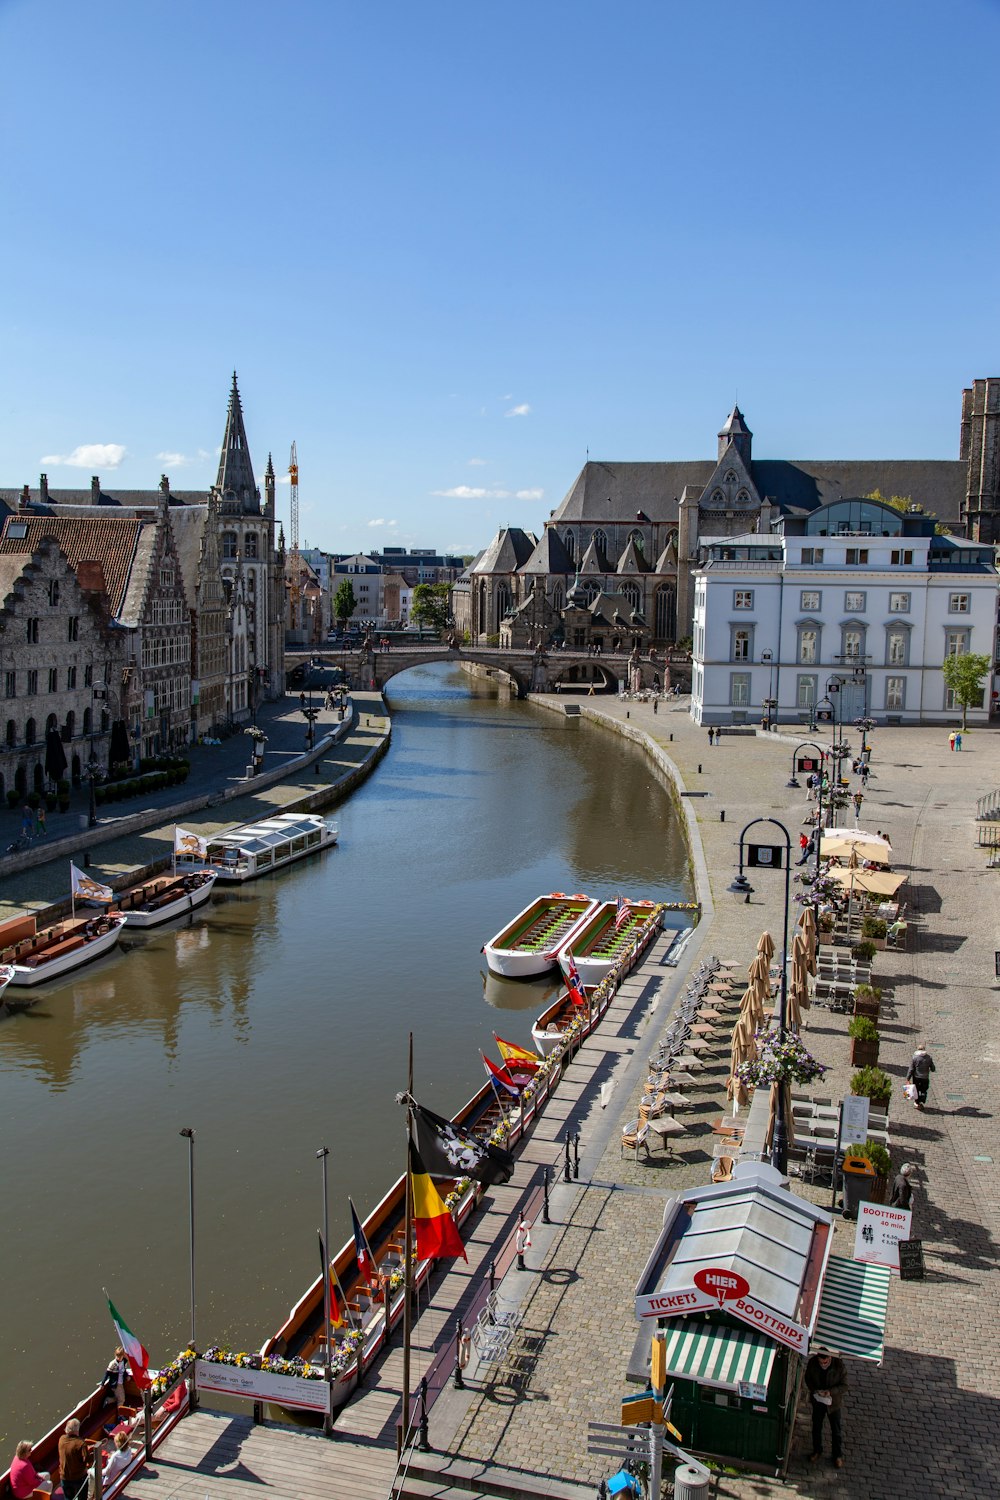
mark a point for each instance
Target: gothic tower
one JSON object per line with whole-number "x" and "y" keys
{"x": 738, "y": 433}
{"x": 980, "y": 449}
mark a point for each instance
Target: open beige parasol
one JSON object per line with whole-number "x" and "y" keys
{"x": 807, "y": 926}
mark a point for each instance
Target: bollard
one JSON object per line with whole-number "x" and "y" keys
{"x": 462, "y": 1352}
{"x": 699, "y": 768}
{"x": 545, "y": 1196}
{"x": 722, "y": 816}
{"x": 493, "y": 1274}
{"x": 566, "y": 1171}
{"x": 425, "y": 1446}
{"x": 671, "y": 739}
{"x": 576, "y": 1156}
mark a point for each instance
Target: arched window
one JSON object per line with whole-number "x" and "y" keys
{"x": 51, "y": 723}
{"x": 38, "y": 776}
{"x": 636, "y": 538}
{"x": 70, "y": 725}
{"x": 11, "y": 733}
{"x": 665, "y": 613}
{"x": 88, "y": 720}
{"x": 503, "y": 601}
{"x": 600, "y": 541}
{"x": 630, "y": 591}
{"x": 54, "y": 592}
{"x": 569, "y": 542}
{"x": 557, "y": 597}
{"x": 591, "y": 591}
{"x": 251, "y": 546}
{"x": 30, "y": 732}
{"x": 229, "y": 544}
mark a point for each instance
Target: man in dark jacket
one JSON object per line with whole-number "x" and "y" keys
{"x": 826, "y": 1381}
{"x": 902, "y": 1187}
{"x": 921, "y": 1068}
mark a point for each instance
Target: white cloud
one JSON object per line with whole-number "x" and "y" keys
{"x": 467, "y": 492}
{"x": 175, "y": 460}
{"x": 89, "y": 456}
{"x": 283, "y": 479}
{"x": 477, "y": 463}
{"x": 529, "y": 494}
{"x": 380, "y": 521}
{"x": 518, "y": 411}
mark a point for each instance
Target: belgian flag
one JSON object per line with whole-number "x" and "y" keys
{"x": 437, "y": 1232}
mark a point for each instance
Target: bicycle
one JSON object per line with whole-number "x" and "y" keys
{"x": 25, "y": 841}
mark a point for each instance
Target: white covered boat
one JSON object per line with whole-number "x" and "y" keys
{"x": 259, "y": 848}
{"x": 37, "y": 956}
{"x": 530, "y": 944}
{"x": 160, "y": 900}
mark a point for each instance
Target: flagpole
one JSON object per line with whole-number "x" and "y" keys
{"x": 408, "y": 1254}
{"x": 321, "y": 1155}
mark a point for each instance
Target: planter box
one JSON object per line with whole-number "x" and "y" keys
{"x": 880, "y": 1188}
{"x": 877, "y": 943}
{"x": 880, "y": 1102}
{"x": 869, "y": 1008}
{"x": 863, "y": 1054}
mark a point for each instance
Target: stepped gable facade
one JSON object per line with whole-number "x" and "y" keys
{"x": 57, "y": 643}
{"x": 232, "y": 564}
{"x": 639, "y": 530}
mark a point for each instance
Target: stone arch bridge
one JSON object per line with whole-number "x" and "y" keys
{"x": 528, "y": 671}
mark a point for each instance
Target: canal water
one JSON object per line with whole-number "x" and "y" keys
{"x": 278, "y": 1023}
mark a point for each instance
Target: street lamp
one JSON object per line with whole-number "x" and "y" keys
{"x": 834, "y": 685}
{"x": 770, "y": 857}
{"x": 768, "y": 657}
{"x": 94, "y": 773}
{"x": 188, "y": 1135}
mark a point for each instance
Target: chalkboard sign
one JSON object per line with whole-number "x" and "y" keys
{"x": 911, "y": 1260}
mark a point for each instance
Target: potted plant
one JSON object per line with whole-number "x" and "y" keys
{"x": 874, "y": 1082}
{"x": 876, "y": 1153}
{"x": 867, "y": 1000}
{"x": 62, "y": 792}
{"x": 51, "y": 801}
{"x": 873, "y": 929}
{"x": 863, "y": 952}
{"x": 864, "y": 1041}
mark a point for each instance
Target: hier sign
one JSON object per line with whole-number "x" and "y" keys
{"x": 879, "y": 1232}
{"x": 721, "y": 1284}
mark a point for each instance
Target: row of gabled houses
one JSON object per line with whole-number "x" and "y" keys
{"x": 141, "y": 618}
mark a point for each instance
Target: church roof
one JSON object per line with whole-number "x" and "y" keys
{"x": 550, "y": 556}
{"x": 110, "y": 540}
{"x": 235, "y": 474}
{"x": 594, "y": 560}
{"x": 735, "y": 424}
{"x": 509, "y": 550}
{"x": 608, "y": 492}
{"x": 632, "y": 560}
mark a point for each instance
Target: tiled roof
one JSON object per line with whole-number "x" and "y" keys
{"x": 107, "y": 539}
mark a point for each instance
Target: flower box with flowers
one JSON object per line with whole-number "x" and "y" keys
{"x": 779, "y": 1060}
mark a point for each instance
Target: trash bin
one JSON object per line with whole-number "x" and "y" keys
{"x": 690, "y": 1483}
{"x": 858, "y": 1180}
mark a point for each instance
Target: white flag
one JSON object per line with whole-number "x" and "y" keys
{"x": 85, "y": 889}
{"x": 189, "y": 843}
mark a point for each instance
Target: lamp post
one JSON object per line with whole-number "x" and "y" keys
{"x": 769, "y": 857}
{"x": 188, "y": 1135}
{"x": 793, "y": 782}
{"x": 94, "y": 774}
{"x": 834, "y": 685}
{"x": 768, "y": 657}
{"x": 321, "y": 1156}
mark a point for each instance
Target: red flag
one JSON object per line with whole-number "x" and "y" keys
{"x": 436, "y": 1230}
{"x": 622, "y": 912}
{"x": 363, "y": 1251}
{"x": 499, "y": 1076}
{"x": 573, "y": 984}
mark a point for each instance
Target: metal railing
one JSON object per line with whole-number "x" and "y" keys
{"x": 988, "y": 807}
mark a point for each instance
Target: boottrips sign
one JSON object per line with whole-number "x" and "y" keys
{"x": 716, "y": 1286}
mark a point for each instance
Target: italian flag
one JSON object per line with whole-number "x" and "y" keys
{"x": 137, "y": 1357}
{"x": 437, "y": 1232}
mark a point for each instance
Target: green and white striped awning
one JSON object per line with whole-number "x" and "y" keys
{"x": 852, "y": 1309}
{"x": 713, "y": 1355}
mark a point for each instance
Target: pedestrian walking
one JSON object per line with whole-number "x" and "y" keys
{"x": 902, "y": 1187}
{"x": 921, "y": 1068}
{"x": 522, "y": 1241}
{"x": 710, "y": 734}
{"x": 654, "y": 705}
{"x": 958, "y": 740}
{"x": 27, "y": 822}
{"x": 826, "y": 1381}
{"x": 42, "y": 830}
{"x": 951, "y": 740}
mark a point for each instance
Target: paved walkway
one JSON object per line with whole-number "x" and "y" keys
{"x": 929, "y": 1419}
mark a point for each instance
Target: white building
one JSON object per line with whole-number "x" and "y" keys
{"x": 854, "y": 603}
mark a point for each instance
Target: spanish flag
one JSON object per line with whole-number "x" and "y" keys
{"x": 522, "y": 1059}
{"x": 437, "y": 1232}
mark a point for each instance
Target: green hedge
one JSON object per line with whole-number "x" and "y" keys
{"x": 136, "y": 786}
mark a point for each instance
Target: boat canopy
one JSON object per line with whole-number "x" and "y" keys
{"x": 258, "y": 838}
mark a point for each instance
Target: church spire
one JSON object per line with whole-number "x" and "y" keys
{"x": 738, "y": 433}
{"x": 235, "y": 479}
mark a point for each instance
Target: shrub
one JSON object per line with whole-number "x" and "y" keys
{"x": 863, "y": 952}
{"x": 862, "y": 1029}
{"x": 873, "y": 927}
{"x": 868, "y": 994}
{"x": 63, "y": 787}
{"x": 34, "y": 800}
{"x": 874, "y": 1082}
{"x": 876, "y": 1153}
{"x": 13, "y": 798}
{"x": 51, "y": 801}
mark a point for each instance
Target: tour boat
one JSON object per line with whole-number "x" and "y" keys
{"x": 37, "y": 955}
{"x": 529, "y": 945}
{"x": 258, "y": 848}
{"x": 551, "y": 1028}
{"x": 165, "y": 897}
{"x": 609, "y": 933}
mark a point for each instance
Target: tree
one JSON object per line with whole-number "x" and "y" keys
{"x": 964, "y": 676}
{"x": 344, "y": 602}
{"x": 431, "y": 605}
{"x": 904, "y": 504}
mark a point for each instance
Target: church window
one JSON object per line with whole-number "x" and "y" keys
{"x": 29, "y": 732}
{"x": 718, "y": 498}
{"x": 665, "y": 613}
{"x": 636, "y": 538}
{"x": 166, "y": 578}
{"x": 600, "y": 541}
{"x": 503, "y": 600}
{"x": 730, "y": 476}
{"x": 591, "y": 591}
{"x": 229, "y": 544}
{"x": 743, "y": 499}
{"x": 630, "y": 591}
{"x": 557, "y": 597}
{"x": 569, "y": 542}
{"x": 251, "y": 583}
{"x": 251, "y": 545}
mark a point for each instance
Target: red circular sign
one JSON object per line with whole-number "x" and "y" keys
{"x": 714, "y": 1281}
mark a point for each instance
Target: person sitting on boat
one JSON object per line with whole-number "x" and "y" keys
{"x": 117, "y": 1463}
{"x": 24, "y": 1477}
{"x": 115, "y": 1377}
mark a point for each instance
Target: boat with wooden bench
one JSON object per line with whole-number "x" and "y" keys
{"x": 607, "y": 935}
{"x": 530, "y": 944}
{"x": 255, "y": 849}
{"x": 165, "y": 897}
{"x": 39, "y": 954}
{"x": 556, "y": 1020}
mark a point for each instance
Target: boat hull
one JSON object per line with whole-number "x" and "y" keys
{"x": 152, "y": 915}
{"x": 92, "y": 947}
{"x": 530, "y": 944}
{"x": 598, "y": 945}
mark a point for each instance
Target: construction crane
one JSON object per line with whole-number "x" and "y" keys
{"x": 295, "y": 562}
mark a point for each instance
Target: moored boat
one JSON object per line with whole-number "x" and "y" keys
{"x": 37, "y": 955}
{"x": 607, "y": 935}
{"x": 556, "y": 1021}
{"x": 165, "y": 897}
{"x": 529, "y": 945}
{"x": 255, "y": 849}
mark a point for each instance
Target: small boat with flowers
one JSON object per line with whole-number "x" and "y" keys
{"x": 608, "y": 934}
{"x": 530, "y": 944}
{"x": 255, "y": 849}
{"x": 566, "y": 1021}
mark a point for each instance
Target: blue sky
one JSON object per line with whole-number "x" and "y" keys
{"x": 450, "y": 247}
